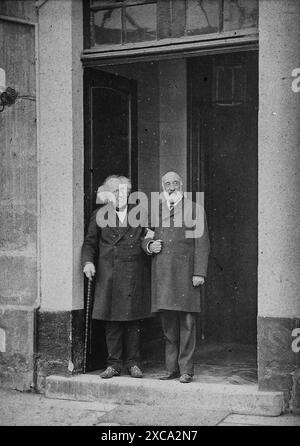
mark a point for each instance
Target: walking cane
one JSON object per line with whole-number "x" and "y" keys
{"x": 87, "y": 322}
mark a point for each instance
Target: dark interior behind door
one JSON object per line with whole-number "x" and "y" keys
{"x": 223, "y": 96}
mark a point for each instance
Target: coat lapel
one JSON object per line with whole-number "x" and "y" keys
{"x": 121, "y": 228}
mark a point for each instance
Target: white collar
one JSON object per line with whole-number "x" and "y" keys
{"x": 122, "y": 214}
{"x": 175, "y": 202}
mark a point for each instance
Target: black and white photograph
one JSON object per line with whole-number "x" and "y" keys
{"x": 149, "y": 215}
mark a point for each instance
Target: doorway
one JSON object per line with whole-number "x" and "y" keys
{"x": 218, "y": 118}
{"x": 110, "y": 149}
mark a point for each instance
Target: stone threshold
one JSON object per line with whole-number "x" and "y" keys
{"x": 236, "y": 399}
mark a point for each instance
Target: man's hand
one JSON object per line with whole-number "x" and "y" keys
{"x": 89, "y": 270}
{"x": 198, "y": 280}
{"x": 155, "y": 246}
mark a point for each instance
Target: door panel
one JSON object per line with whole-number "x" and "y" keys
{"x": 224, "y": 113}
{"x": 110, "y": 149}
{"x": 110, "y": 103}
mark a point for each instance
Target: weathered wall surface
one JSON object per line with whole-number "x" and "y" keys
{"x": 41, "y": 192}
{"x": 59, "y": 322}
{"x": 18, "y": 198}
{"x": 61, "y": 154}
{"x": 22, "y": 9}
{"x": 279, "y": 197}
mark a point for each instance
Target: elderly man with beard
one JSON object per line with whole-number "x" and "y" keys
{"x": 120, "y": 296}
{"x": 179, "y": 267}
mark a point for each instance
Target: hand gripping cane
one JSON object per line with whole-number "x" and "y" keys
{"x": 87, "y": 322}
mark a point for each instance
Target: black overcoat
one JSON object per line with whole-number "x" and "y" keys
{"x": 121, "y": 271}
{"x": 180, "y": 259}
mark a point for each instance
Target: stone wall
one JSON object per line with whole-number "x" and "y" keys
{"x": 279, "y": 198}
{"x": 60, "y": 99}
{"x": 18, "y": 198}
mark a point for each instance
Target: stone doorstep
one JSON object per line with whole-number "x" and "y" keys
{"x": 236, "y": 399}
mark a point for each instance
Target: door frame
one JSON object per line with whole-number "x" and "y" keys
{"x": 93, "y": 62}
{"x": 122, "y": 56}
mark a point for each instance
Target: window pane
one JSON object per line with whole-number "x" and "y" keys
{"x": 107, "y": 26}
{"x": 202, "y": 17}
{"x": 178, "y": 18}
{"x": 240, "y": 14}
{"x": 114, "y": 3}
{"x": 140, "y": 23}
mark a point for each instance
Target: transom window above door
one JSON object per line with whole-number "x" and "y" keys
{"x": 126, "y": 22}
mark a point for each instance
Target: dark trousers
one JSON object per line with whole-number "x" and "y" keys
{"x": 180, "y": 336}
{"x": 123, "y": 343}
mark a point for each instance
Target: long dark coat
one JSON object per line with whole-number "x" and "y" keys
{"x": 180, "y": 259}
{"x": 120, "y": 291}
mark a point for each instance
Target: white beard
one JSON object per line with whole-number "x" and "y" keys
{"x": 174, "y": 196}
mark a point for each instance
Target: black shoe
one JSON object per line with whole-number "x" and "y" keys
{"x": 135, "y": 372}
{"x": 169, "y": 375}
{"x": 185, "y": 378}
{"x": 109, "y": 373}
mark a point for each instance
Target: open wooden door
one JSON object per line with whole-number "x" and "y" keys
{"x": 110, "y": 106}
{"x": 223, "y": 93}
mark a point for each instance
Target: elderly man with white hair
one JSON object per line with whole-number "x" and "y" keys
{"x": 114, "y": 251}
{"x": 179, "y": 266}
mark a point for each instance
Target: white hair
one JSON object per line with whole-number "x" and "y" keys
{"x": 112, "y": 179}
{"x": 104, "y": 193}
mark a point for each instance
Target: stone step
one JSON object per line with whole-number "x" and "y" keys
{"x": 239, "y": 399}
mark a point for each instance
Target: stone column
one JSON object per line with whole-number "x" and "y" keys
{"x": 18, "y": 198}
{"x": 61, "y": 186}
{"x": 279, "y": 198}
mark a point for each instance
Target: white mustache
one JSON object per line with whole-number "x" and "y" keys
{"x": 173, "y": 196}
